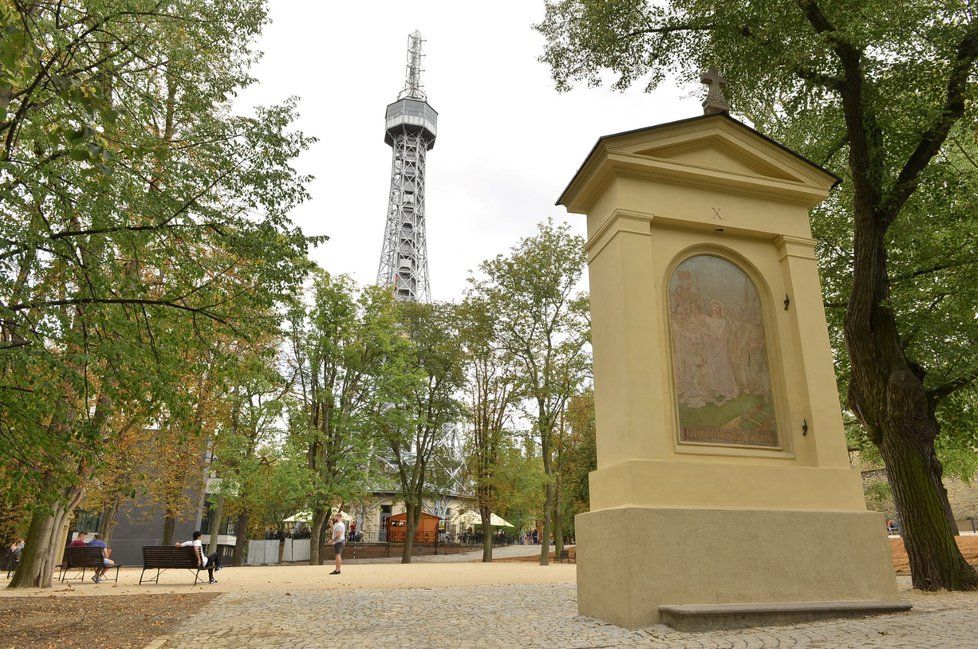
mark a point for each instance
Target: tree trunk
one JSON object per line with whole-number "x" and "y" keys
{"x": 548, "y": 507}
{"x": 486, "y": 534}
{"x": 886, "y": 392}
{"x": 109, "y": 516}
{"x": 324, "y": 542}
{"x": 937, "y": 476}
{"x": 44, "y": 547}
{"x": 935, "y": 560}
{"x": 169, "y": 523}
{"x": 240, "y": 539}
{"x": 558, "y": 528}
{"x": 412, "y": 524}
{"x": 217, "y": 513}
{"x": 37, "y": 559}
{"x": 316, "y": 535}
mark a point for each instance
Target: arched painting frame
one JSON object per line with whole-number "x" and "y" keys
{"x": 722, "y": 369}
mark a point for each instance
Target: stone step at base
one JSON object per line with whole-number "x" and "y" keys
{"x": 707, "y": 617}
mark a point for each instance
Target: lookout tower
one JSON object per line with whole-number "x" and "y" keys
{"x": 410, "y": 131}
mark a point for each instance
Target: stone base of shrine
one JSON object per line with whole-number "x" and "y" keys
{"x": 632, "y": 561}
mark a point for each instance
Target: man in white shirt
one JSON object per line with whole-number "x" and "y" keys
{"x": 210, "y": 561}
{"x": 339, "y": 540}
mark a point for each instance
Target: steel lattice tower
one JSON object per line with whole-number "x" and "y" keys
{"x": 411, "y": 128}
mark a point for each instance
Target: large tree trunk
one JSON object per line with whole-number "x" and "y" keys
{"x": 37, "y": 559}
{"x": 937, "y": 476}
{"x": 316, "y": 535}
{"x": 412, "y": 524}
{"x": 217, "y": 513}
{"x": 935, "y": 560}
{"x": 240, "y": 539}
{"x": 486, "y": 515}
{"x": 887, "y": 393}
{"x": 169, "y": 524}
{"x": 43, "y": 547}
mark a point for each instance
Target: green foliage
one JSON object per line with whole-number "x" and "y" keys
{"x": 418, "y": 394}
{"x": 145, "y": 226}
{"x": 542, "y": 329}
{"x": 339, "y": 350}
{"x": 518, "y": 482}
{"x": 879, "y": 498}
{"x": 580, "y": 455}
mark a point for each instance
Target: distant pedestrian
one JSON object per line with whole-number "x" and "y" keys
{"x": 339, "y": 540}
{"x": 210, "y": 561}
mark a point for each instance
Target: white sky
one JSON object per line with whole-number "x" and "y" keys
{"x": 507, "y": 144}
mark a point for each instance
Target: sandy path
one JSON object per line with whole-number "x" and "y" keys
{"x": 300, "y": 578}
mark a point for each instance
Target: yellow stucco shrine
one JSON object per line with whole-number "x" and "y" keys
{"x": 723, "y": 491}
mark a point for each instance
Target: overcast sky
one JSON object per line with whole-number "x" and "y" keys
{"x": 507, "y": 144}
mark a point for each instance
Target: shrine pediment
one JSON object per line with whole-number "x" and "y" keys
{"x": 719, "y": 153}
{"x": 708, "y": 150}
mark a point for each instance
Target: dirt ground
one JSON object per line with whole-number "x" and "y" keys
{"x": 98, "y": 621}
{"x": 967, "y": 544}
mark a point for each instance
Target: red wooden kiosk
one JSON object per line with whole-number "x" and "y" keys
{"x": 426, "y": 531}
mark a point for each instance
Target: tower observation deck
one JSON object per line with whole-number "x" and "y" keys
{"x": 410, "y": 131}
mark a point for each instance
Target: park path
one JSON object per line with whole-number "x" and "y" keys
{"x": 530, "y": 615}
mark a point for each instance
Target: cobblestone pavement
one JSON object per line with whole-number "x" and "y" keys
{"x": 532, "y": 616}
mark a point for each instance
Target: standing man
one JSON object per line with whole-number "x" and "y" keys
{"x": 339, "y": 540}
{"x": 210, "y": 561}
{"x": 97, "y": 542}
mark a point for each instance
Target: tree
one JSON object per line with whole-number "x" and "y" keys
{"x": 338, "y": 349}
{"x": 144, "y": 224}
{"x": 579, "y": 455}
{"x": 249, "y": 441}
{"x": 519, "y": 482}
{"x": 879, "y": 92}
{"x": 417, "y": 401}
{"x": 490, "y": 391}
{"x": 542, "y": 327}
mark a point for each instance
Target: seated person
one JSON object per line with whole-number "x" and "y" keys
{"x": 80, "y": 540}
{"x": 15, "y": 550}
{"x": 97, "y": 542}
{"x": 210, "y": 561}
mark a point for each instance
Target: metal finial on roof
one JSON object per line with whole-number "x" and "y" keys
{"x": 715, "y": 102}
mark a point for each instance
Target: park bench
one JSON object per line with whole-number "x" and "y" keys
{"x": 162, "y": 557}
{"x": 84, "y": 558}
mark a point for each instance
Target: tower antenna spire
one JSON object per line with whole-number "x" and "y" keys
{"x": 412, "y": 83}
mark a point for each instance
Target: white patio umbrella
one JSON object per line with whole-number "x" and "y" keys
{"x": 305, "y": 517}
{"x": 474, "y": 518}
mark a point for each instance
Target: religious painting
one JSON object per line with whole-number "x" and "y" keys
{"x": 720, "y": 356}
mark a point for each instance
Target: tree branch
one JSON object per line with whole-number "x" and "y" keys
{"x": 933, "y": 138}
{"x": 939, "y": 392}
